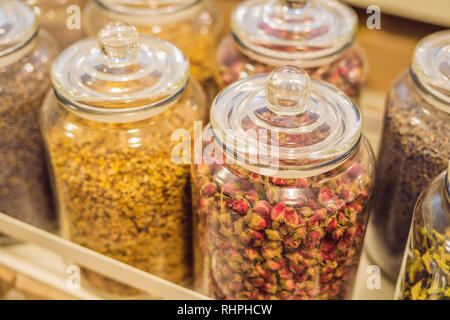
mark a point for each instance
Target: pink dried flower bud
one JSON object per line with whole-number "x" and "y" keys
{"x": 256, "y": 222}
{"x": 240, "y": 206}
{"x": 209, "y": 190}
{"x": 245, "y": 237}
{"x": 288, "y": 285}
{"x": 268, "y": 253}
{"x": 264, "y": 273}
{"x": 316, "y": 234}
{"x": 291, "y": 244}
{"x": 252, "y": 254}
{"x": 331, "y": 209}
{"x": 300, "y": 233}
{"x": 271, "y": 288}
{"x": 278, "y": 213}
{"x": 355, "y": 170}
{"x": 332, "y": 224}
{"x": 273, "y": 235}
{"x": 279, "y": 181}
{"x": 251, "y": 196}
{"x": 257, "y": 236}
{"x": 338, "y": 234}
{"x": 306, "y": 212}
{"x": 326, "y": 195}
{"x": 302, "y": 183}
{"x": 273, "y": 265}
{"x": 292, "y": 218}
{"x": 284, "y": 273}
{"x": 254, "y": 177}
{"x": 263, "y": 207}
{"x": 328, "y": 246}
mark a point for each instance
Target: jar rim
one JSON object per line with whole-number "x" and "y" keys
{"x": 123, "y": 9}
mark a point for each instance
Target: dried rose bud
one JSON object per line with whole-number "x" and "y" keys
{"x": 300, "y": 233}
{"x": 327, "y": 246}
{"x": 332, "y": 224}
{"x": 292, "y": 219}
{"x": 284, "y": 273}
{"x": 246, "y": 185}
{"x": 306, "y": 212}
{"x": 273, "y": 265}
{"x": 288, "y": 285}
{"x": 342, "y": 219}
{"x": 291, "y": 244}
{"x": 264, "y": 273}
{"x": 258, "y": 282}
{"x": 245, "y": 237}
{"x": 278, "y": 181}
{"x": 258, "y": 237}
{"x": 209, "y": 190}
{"x": 255, "y": 178}
{"x": 273, "y": 235}
{"x": 252, "y": 254}
{"x": 263, "y": 207}
{"x": 302, "y": 183}
{"x": 240, "y": 206}
{"x": 251, "y": 196}
{"x": 278, "y": 213}
{"x": 356, "y": 170}
{"x": 270, "y": 288}
{"x": 256, "y": 222}
{"x": 268, "y": 253}
{"x": 316, "y": 234}
{"x": 326, "y": 195}
{"x": 331, "y": 209}
{"x": 312, "y": 204}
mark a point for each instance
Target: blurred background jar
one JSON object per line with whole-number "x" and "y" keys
{"x": 26, "y": 53}
{"x": 107, "y": 126}
{"x": 281, "y": 197}
{"x": 62, "y": 18}
{"x": 425, "y": 273}
{"x": 315, "y": 35}
{"x": 415, "y": 147}
{"x": 194, "y": 26}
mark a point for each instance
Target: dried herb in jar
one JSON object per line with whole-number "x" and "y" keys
{"x": 24, "y": 79}
{"x": 346, "y": 72}
{"x": 427, "y": 274}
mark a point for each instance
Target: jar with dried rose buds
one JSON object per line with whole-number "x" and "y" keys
{"x": 316, "y": 35}
{"x": 62, "y": 18}
{"x": 415, "y": 147}
{"x": 194, "y": 26}
{"x": 107, "y": 126}
{"x": 281, "y": 191}
{"x": 26, "y": 53}
{"x": 425, "y": 273}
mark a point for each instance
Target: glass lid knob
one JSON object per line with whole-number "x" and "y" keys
{"x": 288, "y": 89}
{"x": 293, "y": 3}
{"x": 119, "y": 43}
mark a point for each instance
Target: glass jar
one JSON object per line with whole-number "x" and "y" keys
{"x": 425, "y": 273}
{"x": 281, "y": 191}
{"x": 193, "y": 25}
{"x": 316, "y": 35}
{"x": 25, "y": 63}
{"x": 62, "y": 18}
{"x": 107, "y": 126}
{"x": 415, "y": 147}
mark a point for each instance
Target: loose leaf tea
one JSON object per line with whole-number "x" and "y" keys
{"x": 24, "y": 186}
{"x": 119, "y": 192}
{"x": 261, "y": 237}
{"x": 346, "y": 71}
{"x": 415, "y": 148}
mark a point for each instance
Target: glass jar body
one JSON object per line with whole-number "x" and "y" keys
{"x": 196, "y": 32}
{"x": 62, "y": 18}
{"x": 425, "y": 271}
{"x": 347, "y": 71}
{"x": 118, "y": 190}
{"x": 261, "y": 237}
{"x": 24, "y": 79}
{"x": 415, "y": 147}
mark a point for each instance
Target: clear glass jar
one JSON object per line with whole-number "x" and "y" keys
{"x": 25, "y": 63}
{"x": 60, "y": 17}
{"x": 425, "y": 273}
{"x": 315, "y": 35}
{"x": 193, "y": 25}
{"x": 107, "y": 126}
{"x": 415, "y": 148}
{"x": 281, "y": 191}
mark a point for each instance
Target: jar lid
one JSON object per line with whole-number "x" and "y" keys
{"x": 431, "y": 65}
{"x": 17, "y": 26}
{"x": 294, "y": 29}
{"x": 286, "y": 121}
{"x": 147, "y": 7}
{"x": 120, "y": 71}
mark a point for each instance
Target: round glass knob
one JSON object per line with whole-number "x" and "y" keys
{"x": 288, "y": 89}
{"x": 119, "y": 42}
